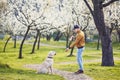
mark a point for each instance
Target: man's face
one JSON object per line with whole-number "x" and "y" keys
{"x": 75, "y": 30}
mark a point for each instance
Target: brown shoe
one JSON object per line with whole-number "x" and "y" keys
{"x": 79, "y": 72}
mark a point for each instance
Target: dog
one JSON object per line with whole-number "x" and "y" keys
{"x": 47, "y": 65}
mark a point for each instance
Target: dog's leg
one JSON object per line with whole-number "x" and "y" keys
{"x": 51, "y": 69}
{"x": 48, "y": 71}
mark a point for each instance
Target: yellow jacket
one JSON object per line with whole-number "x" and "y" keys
{"x": 79, "y": 41}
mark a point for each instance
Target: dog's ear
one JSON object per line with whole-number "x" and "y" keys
{"x": 54, "y": 53}
{"x": 50, "y": 53}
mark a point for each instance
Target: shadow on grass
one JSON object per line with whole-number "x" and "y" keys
{"x": 5, "y": 68}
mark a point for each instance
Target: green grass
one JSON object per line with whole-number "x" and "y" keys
{"x": 103, "y": 73}
{"x": 11, "y": 68}
{"x": 51, "y": 42}
{"x": 19, "y": 74}
{"x": 95, "y": 70}
{"x": 16, "y": 70}
{"x": 116, "y": 46}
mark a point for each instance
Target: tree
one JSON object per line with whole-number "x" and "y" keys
{"x": 36, "y": 37}
{"x": 23, "y": 12}
{"x": 39, "y": 37}
{"x": 4, "y": 49}
{"x": 6, "y": 26}
{"x": 38, "y": 32}
{"x": 112, "y": 17}
{"x": 58, "y": 36}
{"x": 31, "y": 14}
{"x": 68, "y": 33}
{"x": 10, "y": 28}
{"x": 117, "y": 29}
{"x": 98, "y": 16}
{"x": 59, "y": 32}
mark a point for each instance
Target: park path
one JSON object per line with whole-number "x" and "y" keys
{"x": 66, "y": 74}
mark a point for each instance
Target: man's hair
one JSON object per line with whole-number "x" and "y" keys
{"x": 76, "y": 27}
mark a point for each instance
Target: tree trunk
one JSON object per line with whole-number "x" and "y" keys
{"x": 118, "y": 32}
{"x": 48, "y": 37}
{"x": 15, "y": 42}
{"x": 112, "y": 27}
{"x": 107, "y": 52}
{"x": 38, "y": 47}
{"x": 58, "y": 36}
{"x": 98, "y": 44}
{"x": 85, "y": 36}
{"x": 6, "y": 44}
{"x": 98, "y": 16}
{"x": 21, "y": 45}
{"x": 33, "y": 49}
{"x": 71, "y": 52}
{"x": 67, "y": 39}
{"x": 119, "y": 38}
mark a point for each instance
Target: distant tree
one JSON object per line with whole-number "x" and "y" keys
{"x": 58, "y": 35}
{"x": 4, "y": 49}
{"x": 11, "y": 30}
{"x": 68, "y": 33}
{"x": 112, "y": 17}
{"x": 117, "y": 27}
{"x": 59, "y": 32}
{"x": 36, "y": 37}
{"x": 4, "y": 11}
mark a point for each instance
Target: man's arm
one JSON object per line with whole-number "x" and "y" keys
{"x": 77, "y": 40}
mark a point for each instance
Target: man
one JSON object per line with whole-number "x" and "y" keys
{"x": 79, "y": 43}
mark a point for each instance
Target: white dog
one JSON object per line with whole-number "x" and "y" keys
{"x": 47, "y": 64}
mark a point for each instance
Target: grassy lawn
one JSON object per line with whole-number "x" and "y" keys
{"x": 11, "y": 68}
{"x": 20, "y": 74}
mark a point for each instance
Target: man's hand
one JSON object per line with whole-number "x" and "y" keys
{"x": 66, "y": 49}
{"x": 71, "y": 38}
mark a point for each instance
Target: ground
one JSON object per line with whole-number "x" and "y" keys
{"x": 67, "y": 75}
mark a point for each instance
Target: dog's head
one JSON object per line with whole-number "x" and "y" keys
{"x": 51, "y": 54}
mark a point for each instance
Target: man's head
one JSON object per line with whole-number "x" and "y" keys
{"x": 76, "y": 28}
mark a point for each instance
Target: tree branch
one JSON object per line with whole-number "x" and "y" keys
{"x": 73, "y": 10}
{"x": 5, "y": 14}
{"x": 86, "y": 24}
{"x": 41, "y": 14}
{"x": 25, "y": 16}
{"x": 110, "y": 2}
{"x": 91, "y": 11}
{"x": 21, "y": 21}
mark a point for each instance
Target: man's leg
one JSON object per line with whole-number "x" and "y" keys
{"x": 79, "y": 60}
